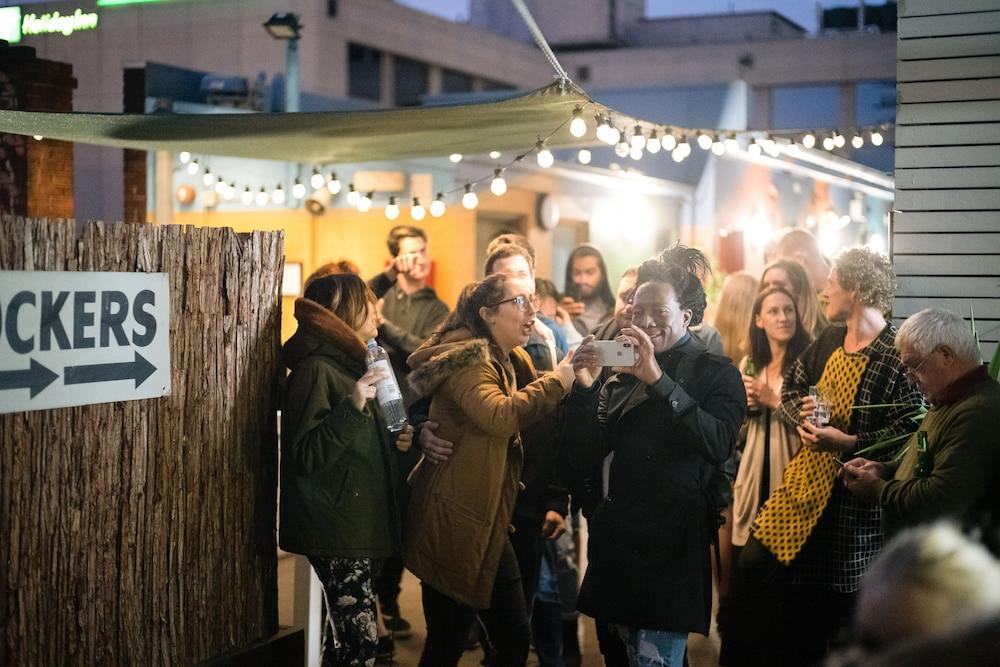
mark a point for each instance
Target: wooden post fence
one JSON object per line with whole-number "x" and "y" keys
{"x": 143, "y": 532}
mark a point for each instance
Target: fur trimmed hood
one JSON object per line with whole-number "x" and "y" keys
{"x": 436, "y": 360}
{"x": 321, "y": 332}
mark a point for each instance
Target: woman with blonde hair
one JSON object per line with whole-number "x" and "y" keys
{"x": 732, "y": 315}
{"x": 791, "y": 277}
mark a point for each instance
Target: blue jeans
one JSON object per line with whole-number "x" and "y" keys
{"x": 653, "y": 648}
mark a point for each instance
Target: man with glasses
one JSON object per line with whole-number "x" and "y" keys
{"x": 951, "y": 468}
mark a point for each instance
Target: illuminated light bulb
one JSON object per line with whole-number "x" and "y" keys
{"x": 809, "y": 140}
{"x": 262, "y": 197}
{"x": 192, "y": 167}
{"x": 857, "y": 141}
{"x": 770, "y": 147}
{"x": 365, "y": 202}
{"x": 455, "y": 157}
{"x": 392, "y": 209}
{"x": 494, "y": 155}
{"x": 583, "y": 156}
{"x": 578, "y": 126}
{"x": 333, "y": 184}
{"x": 299, "y": 189}
{"x": 653, "y": 143}
{"x": 828, "y": 143}
{"x": 230, "y": 192}
{"x": 614, "y": 135}
{"x": 638, "y": 140}
{"x": 544, "y": 157}
{"x": 635, "y": 152}
{"x": 839, "y": 140}
{"x": 669, "y": 142}
{"x": 705, "y": 141}
{"x": 469, "y": 199}
{"x": 37, "y": 137}
{"x": 316, "y": 180}
{"x": 221, "y": 188}
{"x": 498, "y": 186}
{"x": 353, "y": 196}
{"x": 417, "y": 211}
{"x": 731, "y": 144}
{"x": 718, "y": 148}
{"x": 876, "y": 138}
{"x": 437, "y": 206}
{"x": 184, "y": 157}
{"x": 278, "y": 196}
{"x": 208, "y": 179}
{"x": 621, "y": 149}
{"x": 247, "y": 197}
{"x": 754, "y": 148}
{"x": 678, "y": 154}
{"x": 602, "y": 128}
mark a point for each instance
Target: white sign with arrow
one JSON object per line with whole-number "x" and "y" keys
{"x": 78, "y": 337}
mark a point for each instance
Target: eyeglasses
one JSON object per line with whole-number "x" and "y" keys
{"x": 522, "y": 301}
{"x": 911, "y": 373}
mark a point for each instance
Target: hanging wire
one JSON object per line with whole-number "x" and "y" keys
{"x": 536, "y": 33}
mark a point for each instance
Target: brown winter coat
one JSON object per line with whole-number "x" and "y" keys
{"x": 460, "y": 510}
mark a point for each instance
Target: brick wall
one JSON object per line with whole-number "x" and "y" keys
{"x": 36, "y": 177}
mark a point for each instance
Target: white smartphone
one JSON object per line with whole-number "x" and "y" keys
{"x": 614, "y": 353}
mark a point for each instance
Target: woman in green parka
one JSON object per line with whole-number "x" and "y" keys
{"x": 339, "y": 463}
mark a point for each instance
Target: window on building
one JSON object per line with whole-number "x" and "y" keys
{"x": 365, "y": 72}
{"x": 805, "y": 106}
{"x": 411, "y": 81}
{"x": 583, "y": 73}
{"x": 455, "y": 82}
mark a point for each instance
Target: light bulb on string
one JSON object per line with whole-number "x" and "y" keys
{"x": 614, "y": 135}
{"x": 718, "y": 148}
{"x": 247, "y": 197}
{"x": 857, "y": 141}
{"x": 839, "y": 140}
{"x": 770, "y": 147}
{"x": 333, "y": 184}
{"x": 809, "y": 140}
{"x": 220, "y": 187}
{"x": 353, "y": 196}
{"x": 470, "y": 200}
{"x": 876, "y": 138}
{"x": 262, "y": 197}
{"x": 678, "y": 154}
{"x": 417, "y": 211}
{"x": 544, "y": 157}
{"x": 437, "y": 206}
{"x": 653, "y": 143}
{"x": 455, "y": 157}
{"x": 392, "y": 209}
{"x": 684, "y": 147}
{"x": 828, "y": 143}
{"x": 602, "y": 128}
{"x": 705, "y": 141}
{"x": 316, "y": 180}
{"x": 365, "y": 202}
{"x": 731, "y": 144}
{"x": 299, "y": 189}
{"x": 278, "y": 196}
{"x": 635, "y": 152}
{"x": 208, "y": 178}
{"x": 669, "y": 142}
{"x": 583, "y": 156}
{"x": 192, "y": 167}
{"x": 498, "y": 186}
{"x": 230, "y": 193}
{"x": 638, "y": 140}
{"x": 578, "y": 126}
{"x": 184, "y": 157}
{"x": 753, "y": 148}
{"x": 621, "y": 148}
{"x": 495, "y": 155}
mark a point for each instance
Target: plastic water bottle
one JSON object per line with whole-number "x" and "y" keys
{"x": 390, "y": 399}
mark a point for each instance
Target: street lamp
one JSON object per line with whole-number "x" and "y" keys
{"x": 286, "y": 26}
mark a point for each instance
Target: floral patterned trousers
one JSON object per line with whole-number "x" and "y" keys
{"x": 350, "y": 635}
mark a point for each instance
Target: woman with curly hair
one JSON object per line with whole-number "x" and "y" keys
{"x": 812, "y": 541}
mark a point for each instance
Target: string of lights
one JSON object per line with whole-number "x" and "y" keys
{"x": 626, "y": 136}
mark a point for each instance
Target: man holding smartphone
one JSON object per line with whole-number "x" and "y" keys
{"x": 671, "y": 419}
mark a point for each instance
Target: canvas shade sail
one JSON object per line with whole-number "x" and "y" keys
{"x": 510, "y": 124}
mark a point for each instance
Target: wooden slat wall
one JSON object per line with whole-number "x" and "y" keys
{"x": 946, "y": 228}
{"x": 143, "y": 532}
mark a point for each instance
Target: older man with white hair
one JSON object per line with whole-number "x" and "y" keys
{"x": 951, "y": 468}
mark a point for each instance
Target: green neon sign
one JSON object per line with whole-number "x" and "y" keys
{"x": 10, "y": 24}
{"x": 123, "y": 3}
{"x": 58, "y": 23}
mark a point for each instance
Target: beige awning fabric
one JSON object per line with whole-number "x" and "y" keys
{"x": 512, "y": 124}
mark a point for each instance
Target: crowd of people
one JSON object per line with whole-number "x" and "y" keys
{"x": 763, "y": 462}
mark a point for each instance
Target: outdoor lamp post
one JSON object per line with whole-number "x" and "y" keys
{"x": 286, "y": 26}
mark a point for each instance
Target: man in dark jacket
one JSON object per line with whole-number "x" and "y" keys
{"x": 671, "y": 421}
{"x": 410, "y": 312}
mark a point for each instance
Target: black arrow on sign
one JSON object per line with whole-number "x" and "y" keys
{"x": 36, "y": 378}
{"x": 139, "y": 370}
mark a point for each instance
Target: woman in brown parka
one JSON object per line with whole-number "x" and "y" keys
{"x": 460, "y": 509}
